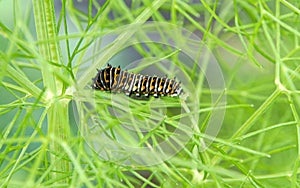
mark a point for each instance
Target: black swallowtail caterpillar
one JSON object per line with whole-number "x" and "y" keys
{"x": 116, "y": 80}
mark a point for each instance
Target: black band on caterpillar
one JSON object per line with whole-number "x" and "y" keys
{"x": 116, "y": 80}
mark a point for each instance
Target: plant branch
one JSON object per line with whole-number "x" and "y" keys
{"x": 58, "y": 125}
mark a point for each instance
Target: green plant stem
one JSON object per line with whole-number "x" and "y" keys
{"x": 247, "y": 125}
{"x": 22, "y": 80}
{"x": 58, "y": 129}
{"x": 58, "y": 125}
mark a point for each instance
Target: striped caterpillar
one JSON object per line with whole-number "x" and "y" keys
{"x": 116, "y": 80}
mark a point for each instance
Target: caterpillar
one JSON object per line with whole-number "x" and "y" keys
{"x": 114, "y": 79}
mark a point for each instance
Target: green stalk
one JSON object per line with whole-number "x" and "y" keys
{"x": 58, "y": 125}
{"x": 247, "y": 125}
